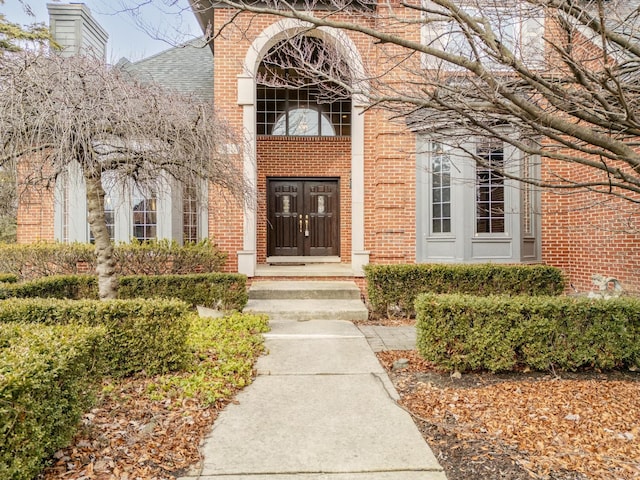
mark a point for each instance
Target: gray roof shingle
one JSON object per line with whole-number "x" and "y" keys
{"x": 185, "y": 68}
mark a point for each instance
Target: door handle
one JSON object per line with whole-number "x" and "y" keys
{"x": 300, "y": 224}
{"x": 306, "y": 225}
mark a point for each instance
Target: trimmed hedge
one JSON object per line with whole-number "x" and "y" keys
{"x": 47, "y": 375}
{"x": 141, "y": 335}
{"x": 155, "y": 257}
{"x": 227, "y": 291}
{"x": 392, "y": 289}
{"x": 168, "y": 257}
{"x": 215, "y": 290}
{"x": 502, "y": 333}
{"x": 58, "y": 286}
{"x": 8, "y": 278}
{"x": 30, "y": 261}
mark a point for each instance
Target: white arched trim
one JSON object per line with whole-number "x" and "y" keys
{"x": 247, "y": 258}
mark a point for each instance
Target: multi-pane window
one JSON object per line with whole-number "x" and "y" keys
{"x": 145, "y": 221}
{"x": 65, "y": 207}
{"x": 440, "y": 190}
{"x": 189, "y": 214}
{"x": 300, "y": 112}
{"x": 289, "y": 102}
{"x": 490, "y": 207}
{"x": 109, "y": 215}
{"x": 504, "y": 25}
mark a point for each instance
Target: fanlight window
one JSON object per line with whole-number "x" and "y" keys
{"x": 303, "y": 121}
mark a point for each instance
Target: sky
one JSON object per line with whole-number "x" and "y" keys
{"x": 134, "y": 34}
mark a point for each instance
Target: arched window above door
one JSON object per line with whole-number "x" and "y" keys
{"x": 298, "y": 100}
{"x": 303, "y": 121}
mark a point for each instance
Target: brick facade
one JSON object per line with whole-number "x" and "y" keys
{"x": 586, "y": 233}
{"x": 582, "y": 233}
{"x": 35, "y": 216}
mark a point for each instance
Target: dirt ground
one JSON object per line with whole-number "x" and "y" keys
{"x": 556, "y": 426}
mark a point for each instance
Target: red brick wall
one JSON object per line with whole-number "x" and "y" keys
{"x": 585, "y": 233}
{"x": 389, "y": 152}
{"x": 390, "y": 206}
{"x": 35, "y": 202}
{"x": 35, "y": 216}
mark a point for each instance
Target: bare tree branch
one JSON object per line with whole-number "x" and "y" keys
{"x": 55, "y": 112}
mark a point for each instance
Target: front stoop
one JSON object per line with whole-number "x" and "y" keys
{"x": 307, "y": 300}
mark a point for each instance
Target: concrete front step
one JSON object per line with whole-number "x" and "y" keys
{"x": 308, "y": 309}
{"x": 300, "y": 290}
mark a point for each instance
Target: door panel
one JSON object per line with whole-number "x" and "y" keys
{"x": 283, "y": 230}
{"x": 321, "y": 202}
{"x": 303, "y": 218}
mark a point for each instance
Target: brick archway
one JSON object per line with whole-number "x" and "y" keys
{"x": 247, "y": 257}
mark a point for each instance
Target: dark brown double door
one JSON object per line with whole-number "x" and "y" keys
{"x": 303, "y": 217}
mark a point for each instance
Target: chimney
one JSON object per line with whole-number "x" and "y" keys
{"x": 76, "y": 31}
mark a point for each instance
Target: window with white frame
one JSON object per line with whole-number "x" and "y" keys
{"x": 190, "y": 215}
{"x": 440, "y": 189}
{"x": 515, "y": 24}
{"x": 169, "y": 211}
{"x": 145, "y": 214}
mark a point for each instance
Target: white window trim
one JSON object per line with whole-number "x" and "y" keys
{"x": 70, "y": 193}
{"x": 448, "y": 152}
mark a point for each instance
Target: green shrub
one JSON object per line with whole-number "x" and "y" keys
{"x": 142, "y": 335}
{"x": 8, "y": 278}
{"x": 502, "y": 333}
{"x": 227, "y": 349}
{"x": 47, "y": 375}
{"x": 164, "y": 257}
{"x": 225, "y": 290}
{"x": 57, "y": 286}
{"x": 392, "y": 289}
{"x": 36, "y": 260}
{"x": 155, "y": 257}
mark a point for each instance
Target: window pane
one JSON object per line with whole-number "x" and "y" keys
{"x": 300, "y": 106}
{"x": 189, "y": 214}
{"x": 446, "y": 210}
{"x": 446, "y": 193}
{"x": 437, "y": 211}
{"x": 144, "y": 216}
{"x": 440, "y": 189}
{"x": 490, "y": 189}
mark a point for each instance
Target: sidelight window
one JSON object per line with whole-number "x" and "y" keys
{"x": 440, "y": 190}
{"x": 490, "y": 211}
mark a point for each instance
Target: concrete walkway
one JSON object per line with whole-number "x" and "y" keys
{"x": 389, "y": 338}
{"x": 321, "y": 408}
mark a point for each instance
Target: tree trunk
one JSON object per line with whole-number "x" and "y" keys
{"x": 105, "y": 263}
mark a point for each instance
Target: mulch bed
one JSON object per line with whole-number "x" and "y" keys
{"x": 128, "y": 436}
{"x": 568, "y": 426}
